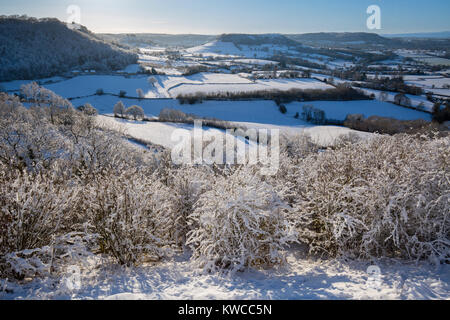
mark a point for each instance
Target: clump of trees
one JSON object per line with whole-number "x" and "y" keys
{"x": 191, "y": 70}
{"x": 393, "y": 84}
{"x": 135, "y": 111}
{"x": 174, "y": 115}
{"x": 441, "y": 113}
{"x": 313, "y": 115}
{"x": 402, "y": 100}
{"x": 340, "y": 93}
{"x": 384, "y": 125}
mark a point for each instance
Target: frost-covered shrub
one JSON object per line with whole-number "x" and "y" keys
{"x": 383, "y": 197}
{"x": 130, "y": 214}
{"x": 32, "y": 209}
{"x": 240, "y": 222}
{"x": 26, "y": 141}
{"x": 187, "y": 185}
{"x": 293, "y": 150}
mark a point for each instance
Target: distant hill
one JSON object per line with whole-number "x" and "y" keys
{"x": 35, "y": 48}
{"x": 257, "y": 39}
{"x": 424, "y": 35}
{"x": 347, "y": 38}
{"x": 365, "y": 40}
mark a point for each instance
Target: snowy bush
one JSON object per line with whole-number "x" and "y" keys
{"x": 187, "y": 185}
{"x": 385, "y": 197}
{"x": 130, "y": 214}
{"x": 32, "y": 209}
{"x": 240, "y": 222}
{"x": 26, "y": 140}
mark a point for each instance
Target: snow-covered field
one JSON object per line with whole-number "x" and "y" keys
{"x": 300, "y": 278}
{"x": 265, "y": 112}
{"x": 416, "y": 101}
{"x": 160, "y": 133}
{"x": 437, "y": 85}
{"x": 258, "y": 85}
{"x": 168, "y": 86}
{"x": 229, "y": 49}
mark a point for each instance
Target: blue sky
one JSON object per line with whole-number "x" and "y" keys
{"x": 244, "y": 16}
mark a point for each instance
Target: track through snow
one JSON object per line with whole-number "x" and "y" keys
{"x": 300, "y": 278}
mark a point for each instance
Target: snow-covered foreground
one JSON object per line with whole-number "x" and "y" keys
{"x": 300, "y": 278}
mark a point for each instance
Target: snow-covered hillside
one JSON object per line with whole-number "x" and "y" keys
{"x": 219, "y": 48}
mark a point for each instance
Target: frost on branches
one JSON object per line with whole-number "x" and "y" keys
{"x": 386, "y": 197}
{"x": 130, "y": 214}
{"x": 240, "y": 222}
{"x": 70, "y": 185}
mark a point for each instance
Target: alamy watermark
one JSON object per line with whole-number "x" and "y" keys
{"x": 374, "y": 277}
{"x": 236, "y": 146}
{"x": 74, "y": 18}
{"x": 72, "y": 281}
{"x": 374, "y": 20}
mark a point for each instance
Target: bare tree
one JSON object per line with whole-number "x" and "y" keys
{"x": 152, "y": 81}
{"x": 140, "y": 93}
{"x": 119, "y": 109}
